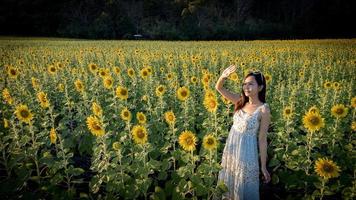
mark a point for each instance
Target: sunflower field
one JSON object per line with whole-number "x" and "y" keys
{"x": 142, "y": 119}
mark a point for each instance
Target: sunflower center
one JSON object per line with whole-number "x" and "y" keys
{"x": 212, "y": 104}
{"x": 123, "y": 92}
{"x": 160, "y": 89}
{"x": 140, "y": 134}
{"x": 53, "y": 69}
{"x": 287, "y": 111}
{"x": 126, "y": 114}
{"x": 24, "y": 113}
{"x": 13, "y": 72}
{"x": 189, "y": 141}
{"x": 96, "y": 126}
{"x": 170, "y": 117}
{"x": 145, "y": 73}
{"x": 184, "y": 93}
{"x": 210, "y": 141}
{"x": 314, "y": 120}
{"x": 328, "y": 168}
{"x": 339, "y": 111}
{"x": 141, "y": 118}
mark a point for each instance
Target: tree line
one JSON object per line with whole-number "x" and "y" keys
{"x": 179, "y": 19}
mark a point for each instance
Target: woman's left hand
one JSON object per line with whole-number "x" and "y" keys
{"x": 266, "y": 175}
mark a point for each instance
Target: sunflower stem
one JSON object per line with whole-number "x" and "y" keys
{"x": 216, "y": 125}
{"x": 322, "y": 189}
{"x": 309, "y": 145}
{"x": 35, "y": 151}
{"x": 174, "y": 147}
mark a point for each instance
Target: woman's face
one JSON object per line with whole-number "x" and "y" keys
{"x": 250, "y": 86}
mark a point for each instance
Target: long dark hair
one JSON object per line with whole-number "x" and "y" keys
{"x": 260, "y": 78}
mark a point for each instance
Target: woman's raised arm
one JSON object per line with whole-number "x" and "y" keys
{"x": 223, "y": 91}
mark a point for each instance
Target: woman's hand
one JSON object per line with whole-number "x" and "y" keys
{"x": 228, "y": 71}
{"x": 266, "y": 176}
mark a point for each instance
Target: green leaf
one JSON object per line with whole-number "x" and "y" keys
{"x": 75, "y": 171}
{"x": 273, "y": 162}
{"x": 162, "y": 175}
{"x": 295, "y": 152}
{"x": 275, "y": 179}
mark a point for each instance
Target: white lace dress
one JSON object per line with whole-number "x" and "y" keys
{"x": 240, "y": 157}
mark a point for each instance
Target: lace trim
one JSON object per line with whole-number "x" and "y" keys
{"x": 241, "y": 174}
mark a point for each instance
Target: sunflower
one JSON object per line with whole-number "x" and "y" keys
{"x": 125, "y": 114}
{"x": 187, "y": 140}
{"x": 267, "y": 77}
{"x": 183, "y": 93}
{"x": 12, "y": 72}
{"x": 60, "y": 87}
{"x": 23, "y": 113}
{"x": 95, "y": 126}
{"x": 108, "y": 82}
{"x": 42, "y": 98}
{"x": 194, "y": 79}
{"x": 6, "y": 123}
{"x": 93, "y": 68}
{"x": 144, "y": 98}
{"x": 209, "y": 142}
{"x": 170, "y": 117}
{"x": 59, "y": 65}
{"x": 211, "y": 104}
{"x": 326, "y": 168}
{"x": 339, "y": 111}
{"x": 7, "y": 96}
{"x": 79, "y": 85}
{"x": 52, "y": 69}
{"x": 327, "y": 85}
{"x": 353, "y": 102}
{"x": 139, "y": 134}
{"x": 131, "y": 72}
{"x": 53, "y": 136}
{"x": 336, "y": 85}
{"x": 122, "y": 93}
{"x": 144, "y": 73}
{"x": 301, "y": 73}
{"x": 313, "y": 121}
{"x": 116, "y": 146}
{"x": 169, "y": 76}
{"x": 287, "y": 112}
{"x": 170, "y": 65}
{"x": 117, "y": 70}
{"x": 233, "y": 77}
{"x": 141, "y": 117}
{"x": 353, "y": 126}
{"x": 104, "y": 72}
{"x": 313, "y": 109}
{"x": 205, "y": 80}
{"x": 35, "y": 83}
{"x": 96, "y": 108}
{"x": 160, "y": 90}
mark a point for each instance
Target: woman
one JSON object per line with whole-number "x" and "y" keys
{"x": 251, "y": 119}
